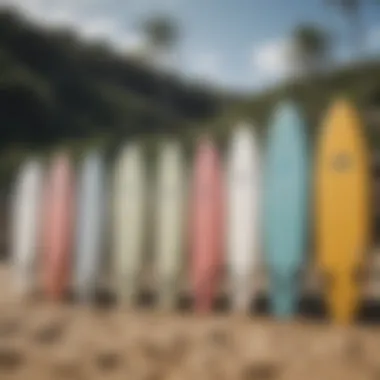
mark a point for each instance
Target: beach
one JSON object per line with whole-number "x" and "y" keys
{"x": 67, "y": 340}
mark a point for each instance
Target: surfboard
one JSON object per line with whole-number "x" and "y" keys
{"x": 90, "y": 225}
{"x": 170, "y": 202}
{"x": 243, "y": 189}
{"x": 342, "y": 207}
{"x": 129, "y": 221}
{"x": 285, "y": 207}
{"x": 206, "y": 225}
{"x": 58, "y": 227}
{"x": 25, "y": 227}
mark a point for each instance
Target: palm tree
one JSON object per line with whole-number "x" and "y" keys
{"x": 311, "y": 48}
{"x": 161, "y": 35}
{"x": 351, "y": 10}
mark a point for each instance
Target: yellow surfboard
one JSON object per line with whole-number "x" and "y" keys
{"x": 342, "y": 208}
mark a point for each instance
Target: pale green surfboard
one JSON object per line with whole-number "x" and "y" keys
{"x": 129, "y": 204}
{"x": 169, "y": 223}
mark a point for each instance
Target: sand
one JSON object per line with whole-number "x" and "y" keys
{"x": 41, "y": 341}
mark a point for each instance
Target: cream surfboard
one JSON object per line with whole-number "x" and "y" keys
{"x": 129, "y": 206}
{"x": 26, "y": 212}
{"x": 169, "y": 225}
{"x": 243, "y": 191}
{"x": 342, "y": 208}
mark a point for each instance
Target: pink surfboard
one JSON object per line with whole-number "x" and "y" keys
{"x": 206, "y": 226}
{"x": 58, "y": 227}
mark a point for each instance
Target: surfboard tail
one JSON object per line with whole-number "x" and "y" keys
{"x": 24, "y": 274}
{"x": 127, "y": 290}
{"x": 203, "y": 302}
{"x": 54, "y": 290}
{"x": 168, "y": 295}
{"x": 241, "y": 296}
{"x": 285, "y": 296}
{"x": 343, "y": 298}
{"x": 23, "y": 283}
{"x": 203, "y": 296}
{"x": 56, "y": 281}
{"x": 86, "y": 290}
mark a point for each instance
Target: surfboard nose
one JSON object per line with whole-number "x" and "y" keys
{"x": 341, "y": 102}
{"x": 241, "y": 127}
{"x": 341, "y": 109}
{"x": 287, "y": 120}
{"x": 286, "y": 110}
{"x": 206, "y": 144}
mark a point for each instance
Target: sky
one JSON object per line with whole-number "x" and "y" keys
{"x": 235, "y": 44}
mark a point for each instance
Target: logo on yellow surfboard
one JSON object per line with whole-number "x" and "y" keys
{"x": 342, "y": 162}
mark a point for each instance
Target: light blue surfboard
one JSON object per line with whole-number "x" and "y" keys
{"x": 90, "y": 224}
{"x": 285, "y": 207}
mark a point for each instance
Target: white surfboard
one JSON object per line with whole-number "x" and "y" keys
{"x": 170, "y": 199}
{"x": 243, "y": 192}
{"x": 25, "y": 228}
{"x": 90, "y": 225}
{"x": 129, "y": 205}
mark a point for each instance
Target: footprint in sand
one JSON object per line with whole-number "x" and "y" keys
{"x": 9, "y": 328}
{"x": 11, "y": 359}
{"x": 108, "y": 361}
{"x": 260, "y": 371}
{"x": 50, "y": 332}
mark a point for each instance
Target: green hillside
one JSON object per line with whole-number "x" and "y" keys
{"x": 55, "y": 89}
{"x": 53, "y": 86}
{"x": 359, "y": 82}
